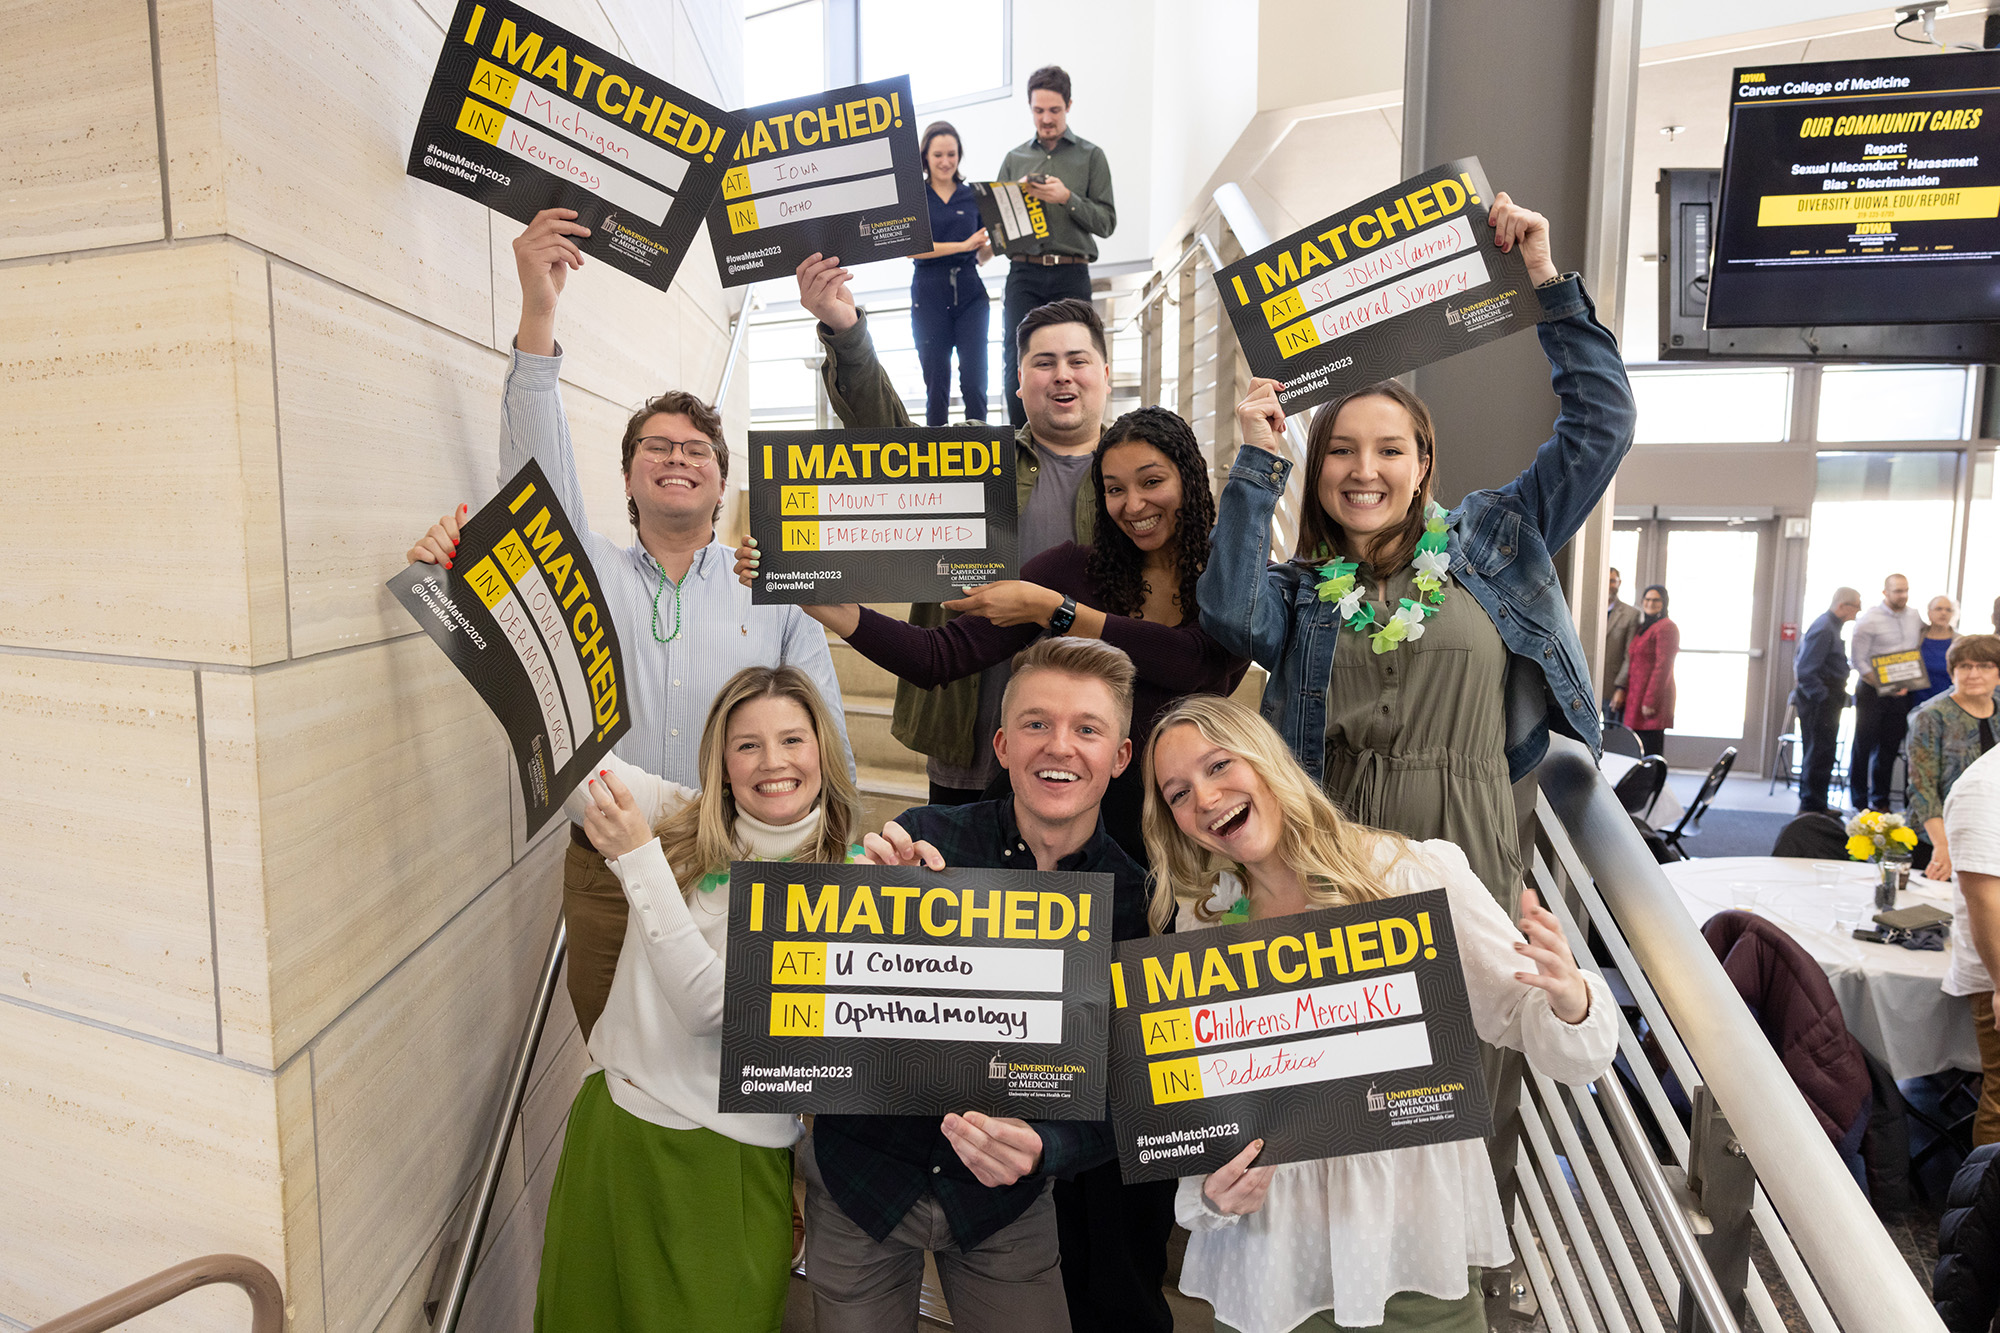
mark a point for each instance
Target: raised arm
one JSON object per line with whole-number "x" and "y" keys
{"x": 857, "y": 387}
{"x": 1244, "y": 599}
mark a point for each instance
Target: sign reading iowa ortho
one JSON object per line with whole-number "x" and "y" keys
{"x": 524, "y": 116}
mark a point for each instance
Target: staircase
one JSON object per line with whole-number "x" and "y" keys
{"x": 891, "y": 775}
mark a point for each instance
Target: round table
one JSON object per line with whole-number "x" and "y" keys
{"x": 1891, "y": 997}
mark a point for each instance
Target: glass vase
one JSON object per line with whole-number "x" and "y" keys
{"x": 1894, "y": 878}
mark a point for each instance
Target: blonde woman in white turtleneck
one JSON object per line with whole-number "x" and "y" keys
{"x": 667, "y": 1214}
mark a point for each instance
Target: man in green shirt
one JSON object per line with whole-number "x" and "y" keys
{"x": 1073, "y": 181}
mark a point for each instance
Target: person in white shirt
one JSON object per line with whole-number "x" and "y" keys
{"x": 1972, "y": 827}
{"x": 1394, "y": 1236}
{"x": 668, "y": 1214}
{"x": 1881, "y": 716}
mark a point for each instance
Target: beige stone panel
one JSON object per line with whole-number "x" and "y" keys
{"x": 104, "y": 903}
{"x": 596, "y": 426}
{"x": 136, "y": 424}
{"x": 298, "y": 1162}
{"x": 708, "y": 49}
{"x": 387, "y": 422}
{"x": 407, "y": 1080}
{"x": 703, "y": 333}
{"x": 119, "y": 1158}
{"x": 502, "y": 1298}
{"x": 647, "y": 29}
{"x": 83, "y": 152}
{"x": 192, "y": 111}
{"x": 382, "y": 777}
{"x": 236, "y": 860}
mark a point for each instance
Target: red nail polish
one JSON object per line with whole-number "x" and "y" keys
{"x": 447, "y": 564}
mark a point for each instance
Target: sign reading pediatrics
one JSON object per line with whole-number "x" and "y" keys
{"x": 836, "y": 173}
{"x": 524, "y": 116}
{"x": 1345, "y": 1030}
{"x": 886, "y": 990}
{"x": 1398, "y": 281}
{"x": 522, "y": 616}
{"x": 881, "y": 515}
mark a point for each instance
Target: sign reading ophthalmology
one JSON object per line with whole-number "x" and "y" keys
{"x": 887, "y": 990}
{"x": 1401, "y": 280}
{"x": 835, "y": 173}
{"x": 1345, "y": 1030}
{"x": 881, "y": 515}
{"x": 524, "y": 116}
{"x": 521, "y": 616}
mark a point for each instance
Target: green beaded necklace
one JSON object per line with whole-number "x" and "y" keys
{"x": 657, "y": 594}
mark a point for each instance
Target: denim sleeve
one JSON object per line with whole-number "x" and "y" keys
{"x": 1241, "y": 595}
{"x": 1594, "y": 427}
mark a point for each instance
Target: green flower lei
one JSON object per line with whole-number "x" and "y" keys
{"x": 1338, "y": 583}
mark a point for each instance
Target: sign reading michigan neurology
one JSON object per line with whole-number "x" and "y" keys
{"x": 521, "y": 615}
{"x": 835, "y": 173}
{"x": 885, "y": 990}
{"x": 881, "y": 516}
{"x": 524, "y": 116}
{"x": 1398, "y": 281}
{"x": 1345, "y": 1030}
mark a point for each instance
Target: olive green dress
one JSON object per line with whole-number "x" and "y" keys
{"x": 1416, "y": 738}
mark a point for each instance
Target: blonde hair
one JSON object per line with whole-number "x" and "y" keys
{"x": 1335, "y": 855}
{"x": 1091, "y": 658}
{"x": 700, "y": 837}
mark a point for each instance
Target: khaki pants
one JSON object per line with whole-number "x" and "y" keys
{"x": 1011, "y": 1282}
{"x": 594, "y": 908}
{"x": 1986, "y": 1123}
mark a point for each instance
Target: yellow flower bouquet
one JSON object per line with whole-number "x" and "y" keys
{"x": 1873, "y": 835}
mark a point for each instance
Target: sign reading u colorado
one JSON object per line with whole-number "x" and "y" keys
{"x": 884, "y": 990}
{"x": 1345, "y": 1030}
{"x": 881, "y": 516}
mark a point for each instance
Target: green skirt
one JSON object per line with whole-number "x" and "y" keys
{"x": 662, "y": 1229}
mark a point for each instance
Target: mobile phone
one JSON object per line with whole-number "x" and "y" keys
{"x": 1038, "y": 178}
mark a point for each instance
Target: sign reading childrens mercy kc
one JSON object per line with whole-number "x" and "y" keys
{"x": 891, "y": 990}
{"x": 522, "y": 616}
{"x": 524, "y": 116}
{"x": 881, "y": 515}
{"x": 1398, "y": 281}
{"x": 1345, "y": 1030}
{"x": 837, "y": 173}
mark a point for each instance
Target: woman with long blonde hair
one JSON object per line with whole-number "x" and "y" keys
{"x": 666, "y": 1213}
{"x": 1236, "y": 827}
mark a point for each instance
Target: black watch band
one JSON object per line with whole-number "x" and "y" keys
{"x": 1063, "y": 617}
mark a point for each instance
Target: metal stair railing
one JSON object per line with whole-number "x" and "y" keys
{"x": 267, "y": 1302}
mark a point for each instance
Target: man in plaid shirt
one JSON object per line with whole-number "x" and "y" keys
{"x": 974, "y": 1189}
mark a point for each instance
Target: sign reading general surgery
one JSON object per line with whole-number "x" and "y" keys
{"x": 524, "y": 116}
{"x": 1326, "y": 1033}
{"x": 881, "y": 516}
{"x": 837, "y": 173}
{"x": 1398, "y": 281}
{"x": 883, "y": 990}
{"x": 521, "y": 615}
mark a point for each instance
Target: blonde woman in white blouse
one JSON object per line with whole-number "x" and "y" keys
{"x": 1383, "y": 1239}
{"x": 667, "y": 1214}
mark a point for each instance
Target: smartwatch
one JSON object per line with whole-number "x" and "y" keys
{"x": 1063, "y": 617}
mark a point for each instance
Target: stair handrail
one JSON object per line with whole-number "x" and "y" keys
{"x": 267, "y": 1301}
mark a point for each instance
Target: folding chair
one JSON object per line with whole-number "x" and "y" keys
{"x": 1710, "y": 785}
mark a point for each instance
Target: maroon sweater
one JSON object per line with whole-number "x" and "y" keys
{"x": 1172, "y": 662}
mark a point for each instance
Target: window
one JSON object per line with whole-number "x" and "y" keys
{"x": 1714, "y": 406}
{"x": 788, "y": 39}
{"x": 1982, "y": 551}
{"x": 953, "y": 55}
{"x": 1892, "y": 403}
{"x": 1877, "y": 514}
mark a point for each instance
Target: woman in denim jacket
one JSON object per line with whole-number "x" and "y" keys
{"x": 1456, "y": 650}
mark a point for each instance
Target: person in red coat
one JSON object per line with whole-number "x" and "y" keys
{"x": 1648, "y": 696}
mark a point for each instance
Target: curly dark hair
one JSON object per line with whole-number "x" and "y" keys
{"x": 1116, "y": 565}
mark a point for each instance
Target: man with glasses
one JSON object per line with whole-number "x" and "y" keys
{"x": 685, "y": 622}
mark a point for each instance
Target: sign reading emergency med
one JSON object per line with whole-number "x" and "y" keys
{"x": 1326, "y": 1033}
{"x": 885, "y": 990}
{"x": 836, "y": 173}
{"x": 1404, "y": 279}
{"x": 521, "y": 615}
{"x": 524, "y": 116}
{"x": 881, "y": 516}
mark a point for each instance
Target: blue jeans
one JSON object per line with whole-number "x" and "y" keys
{"x": 949, "y": 311}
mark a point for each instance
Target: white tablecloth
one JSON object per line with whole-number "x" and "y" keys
{"x": 1892, "y": 997}
{"x": 1667, "y": 810}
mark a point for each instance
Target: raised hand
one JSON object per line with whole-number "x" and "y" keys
{"x": 1236, "y": 1187}
{"x": 1259, "y": 418}
{"x": 823, "y": 292}
{"x": 544, "y": 254}
{"x": 439, "y": 546}
{"x": 1514, "y": 225}
{"x": 613, "y": 821}
{"x": 1555, "y": 966}
{"x": 893, "y": 846}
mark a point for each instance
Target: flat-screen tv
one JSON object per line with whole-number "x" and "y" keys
{"x": 1861, "y": 192}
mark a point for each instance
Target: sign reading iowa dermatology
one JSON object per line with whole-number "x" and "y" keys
{"x": 882, "y": 990}
{"x": 1345, "y": 1030}
{"x": 521, "y": 615}
{"x": 524, "y": 116}
{"x": 1398, "y": 281}
{"x": 836, "y": 173}
{"x": 881, "y": 516}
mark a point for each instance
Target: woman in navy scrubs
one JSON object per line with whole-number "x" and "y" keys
{"x": 948, "y": 302}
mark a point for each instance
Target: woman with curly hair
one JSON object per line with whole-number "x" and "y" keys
{"x": 1133, "y": 587}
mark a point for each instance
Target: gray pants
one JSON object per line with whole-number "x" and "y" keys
{"x": 1011, "y": 1281}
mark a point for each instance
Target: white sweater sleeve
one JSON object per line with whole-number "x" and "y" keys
{"x": 656, "y": 796}
{"x": 1512, "y": 1013}
{"x": 1193, "y": 1210}
{"x": 689, "y": 971}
